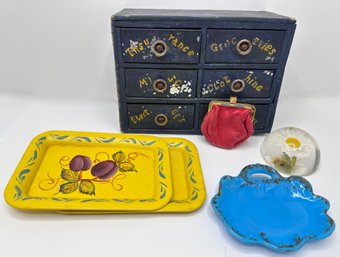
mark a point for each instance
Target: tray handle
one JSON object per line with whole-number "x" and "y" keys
{"x": 258, "y": 172}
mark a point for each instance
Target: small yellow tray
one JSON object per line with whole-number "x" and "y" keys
{"x": 188, "y": 183}
{"x": 139, "y": 178}
{"x": 187, "y": 179}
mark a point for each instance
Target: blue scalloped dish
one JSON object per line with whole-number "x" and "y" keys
{"x": 259, "y": 206}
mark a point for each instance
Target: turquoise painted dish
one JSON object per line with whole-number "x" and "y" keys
{"x": 261, "y": 207}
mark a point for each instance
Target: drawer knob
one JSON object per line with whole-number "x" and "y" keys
{"x": 237, "y": 85}
{"x": 244, "y": 47}
{"x": 160, "y": 85}
{"x": 159, "y": 48}
{"x": 161, "y": 119}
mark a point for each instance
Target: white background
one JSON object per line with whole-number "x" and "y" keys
{"x": 57, "y": 72}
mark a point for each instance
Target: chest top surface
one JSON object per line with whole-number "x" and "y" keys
{"x": 173, "y": 14}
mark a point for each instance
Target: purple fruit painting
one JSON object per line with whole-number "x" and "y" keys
{"x": 75, "y": 176}
{"x": 80, "y": 162}
{"x": 105, "y": 169}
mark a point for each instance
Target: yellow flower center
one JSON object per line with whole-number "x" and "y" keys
{"x": 293, "y": 142}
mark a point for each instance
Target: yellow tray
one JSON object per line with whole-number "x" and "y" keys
{"x": 43, "y": 179}
{"x": 187, "y": 179}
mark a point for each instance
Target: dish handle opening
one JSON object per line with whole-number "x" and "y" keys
{"x": 257, "y": 172}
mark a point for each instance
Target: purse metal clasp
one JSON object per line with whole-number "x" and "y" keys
{"x": 233, "y": 103}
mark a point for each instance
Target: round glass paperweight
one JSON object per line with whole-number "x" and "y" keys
{"x": 291, "y": 150}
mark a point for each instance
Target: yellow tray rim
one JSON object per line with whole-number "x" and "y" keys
{"x": 194, "y": 178}
{"x": 16, "y": 190}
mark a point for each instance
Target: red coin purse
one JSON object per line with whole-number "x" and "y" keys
{"x": 227, "y": 125}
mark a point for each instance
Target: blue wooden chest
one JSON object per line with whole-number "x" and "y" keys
{"x": 171, "y": 63}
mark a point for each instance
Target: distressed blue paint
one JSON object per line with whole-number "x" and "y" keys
{"x": 185, "y": 119}
{"x": 221, "y": 46}
{"x": 199, "y": 29}
{"x": 139, "y": 83}
{"x": 144, "y": 54}
{"x": 267, "y": 209}
{"x": 217, "y": 83}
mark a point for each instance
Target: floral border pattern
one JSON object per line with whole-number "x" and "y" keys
{"x": 103, "y": 140}
{"x": 191, "y": 172}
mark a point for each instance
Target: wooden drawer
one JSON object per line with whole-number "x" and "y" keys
{"x": 220, "y": 83}
{"x": 160, "y": 45}
{"x": 160, "y": 116}
{"x": 243, "y": 46}
{"x": 260, "y": 115}
{"x": 160, "y": 83}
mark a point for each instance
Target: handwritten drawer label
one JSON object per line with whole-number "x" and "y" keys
{"x": 173, "y": 83}
{"x": 223, "y": 46}
{"x": 173, "y": 116}
{"x": 217, "y": 83}
{"x": 178, "y": 46}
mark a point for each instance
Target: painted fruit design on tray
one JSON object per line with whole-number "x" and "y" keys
{"x": 103, "y": 169}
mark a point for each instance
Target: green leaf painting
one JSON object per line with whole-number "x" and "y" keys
{"x": 68, "y": 187}
{"x": 81, "y": 139}
{"x": 105, "y": 140}
{"x": 175, "y": 144}
{"x": 87, "y": 187}
{"x": 22, "y": 174}
{"x": 70, "y": 175}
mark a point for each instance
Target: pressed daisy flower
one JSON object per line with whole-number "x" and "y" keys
{"x": 295, "y": 142}
{"x": 291, "y": 150}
